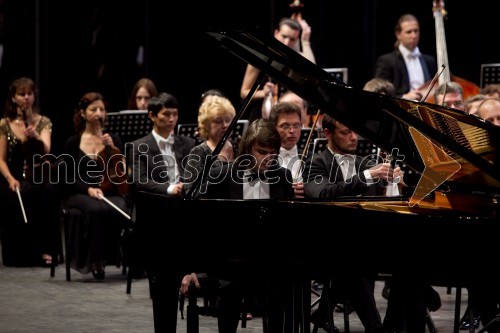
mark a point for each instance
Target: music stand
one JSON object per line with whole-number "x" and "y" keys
{"x": 490, "y": 74}
{"x": 339, "y": 73}
{"x": 366, "y": 148}
{"x": 129, "y": 125}
{"x": 304, "y": 134}
{"x": 191, "y": 130}
{"x": 319, "y": 145}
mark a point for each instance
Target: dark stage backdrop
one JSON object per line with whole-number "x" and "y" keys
{"x": 93, "y": 45}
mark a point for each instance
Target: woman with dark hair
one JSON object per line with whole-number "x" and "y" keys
{"x": 142, "y": 92}
{"x": 90, "y": 158}
{"x": 25, "y": 137}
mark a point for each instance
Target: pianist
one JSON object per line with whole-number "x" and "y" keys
{"x": 254, "y": 174}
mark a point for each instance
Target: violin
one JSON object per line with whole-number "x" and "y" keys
{"x": 468, "y": 87}
{"x": 114, "y": 181}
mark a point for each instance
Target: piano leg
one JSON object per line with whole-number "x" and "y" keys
{"x": 164, "y": 290}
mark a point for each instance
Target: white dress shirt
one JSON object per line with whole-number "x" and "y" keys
{"x": 255, "y": 189}
{"x": 167, "y": 151}
{"x": 290, "y": 159}
{"x": 413, "y": 65}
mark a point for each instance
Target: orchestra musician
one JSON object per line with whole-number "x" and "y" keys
{"x": 157, "y": 161}
{"x": 214, "y": 116}
{"x": 290, "y": 32}
{"x": 95, "y": 236}
{"x": 406, "y": 67}
{"x": 142, "y": 92}
{"x": 337, "y": 172}
{"x": 286, "y": 117}
{"x": 24, "y": 134}
{"x": 489, "y": 110}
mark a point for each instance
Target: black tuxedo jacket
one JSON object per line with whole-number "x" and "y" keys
{"x": 392, "y": 67}
{"x": 226, "y": 182}
{"x": 324, "y": 179}
{"x": 149, "y": 171}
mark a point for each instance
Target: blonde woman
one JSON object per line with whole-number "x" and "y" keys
{"x": 214, "y": 116}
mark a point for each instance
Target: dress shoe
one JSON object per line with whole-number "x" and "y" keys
{"x": 433, "y": 299}
{"x": 465, "y": 322}
{"x": 98, "y": 273}
{"x": 385, "y": 290}
{"x": 330, "y": 328}
{"x": 320, "y": 321}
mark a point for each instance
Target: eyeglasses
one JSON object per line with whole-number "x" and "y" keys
{"x": 455, "y": 105}
{"x": 219, "y": 121}
{"x": 287, "y": 127}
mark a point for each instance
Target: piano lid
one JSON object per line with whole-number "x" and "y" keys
{"x": 388, "y": 122}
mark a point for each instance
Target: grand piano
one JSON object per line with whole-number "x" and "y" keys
{"x": 446, "y": 225}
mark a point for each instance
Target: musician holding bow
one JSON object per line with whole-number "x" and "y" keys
{"x": 24, "y": 135}
{"x": 92, "y": 175}
{"x": 406, "y": 67}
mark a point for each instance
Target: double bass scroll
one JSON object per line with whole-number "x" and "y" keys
{"x": 469, "y": 88}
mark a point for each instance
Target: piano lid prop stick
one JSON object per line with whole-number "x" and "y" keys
{"x": 115, "y": 207}
{"x": 22, "y": 205}
{"x": 306, "y": 147}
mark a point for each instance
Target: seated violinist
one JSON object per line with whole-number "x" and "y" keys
{"x": 91, "y": 159}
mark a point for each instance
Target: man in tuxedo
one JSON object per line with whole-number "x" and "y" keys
{"x": 337, "y": 172}
{"x": 155, "y": 164}
{"x": 286, "y": 117}
{"x": 156, "y": 161}
{"x": 293, "y": 33}
{"x": 406, "y": 67}
{"x": 255, "y": 174}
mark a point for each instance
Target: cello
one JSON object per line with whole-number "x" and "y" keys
{"x": 469, "y": 88}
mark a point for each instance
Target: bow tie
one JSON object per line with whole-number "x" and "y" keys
{"x": 414, "y": 54}
{"x": 288, "y": 153}
{"x": 250, "y": 177}
{"x": 344, "y": 158}
{"x": 168, "y": 141}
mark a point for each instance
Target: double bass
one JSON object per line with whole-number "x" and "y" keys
{"x": 469, "y": 88}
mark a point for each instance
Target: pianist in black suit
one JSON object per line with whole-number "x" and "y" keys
{"x": 255, "y": 174}
{"x": 337, "y": 172}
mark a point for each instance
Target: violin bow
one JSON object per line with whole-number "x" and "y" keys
{"x": 306, "y": 147}
{"x": 22, "y": 205}
{"x": 114, "y": 206}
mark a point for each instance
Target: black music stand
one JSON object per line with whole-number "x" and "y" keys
{"x": 366, "y": 148}
{"x": 191, "y": 130}
{"x": 319, "y": 145}
{"x": 490, "y": 74}
{"x": 339, "y": 73}
{"x": 129, "y": 125}
{"x": 304, "y": 134}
